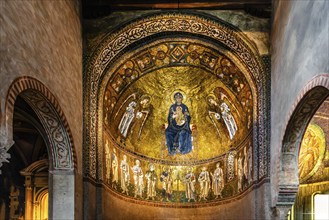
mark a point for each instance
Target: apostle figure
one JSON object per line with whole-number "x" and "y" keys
{"x": 127, "y": 118}
{"x": 189, "y": 180}
{"x": 167, "y": 183}
{"x": 138, "y": 179}
{"x": 178, "y": 132}
{"x": 115, "y": 165}
{"x": 151, "y": 177}
{"x": 107, "y": 161}
{"x": 125, "y": 176}
{"x": 249, "y": 156}
{"x": 204, "y": 180}
{"x": 240, "y": 172}
{"x": 217, "y": 181}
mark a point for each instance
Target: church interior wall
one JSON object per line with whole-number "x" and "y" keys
{"x": 299, "y": 53}
{"x": 43, "y": 40}
{"x": 228, "y": 210}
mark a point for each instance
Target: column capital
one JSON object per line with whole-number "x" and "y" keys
{"x": 5, "y": 145}
{"x": 282, "y": 212}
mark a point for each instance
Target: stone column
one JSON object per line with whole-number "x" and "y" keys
{"x": 28, "y": 198}
{"x": 61, "y": 194}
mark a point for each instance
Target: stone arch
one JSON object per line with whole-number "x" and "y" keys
{"x": 308, "y": 101}
{"x": 62, "y": 162}
{"x": 151, "y": 26}
{"x": 43, "y": 102}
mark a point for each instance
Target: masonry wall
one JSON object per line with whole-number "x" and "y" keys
{"x": 43, "y": 40}
{"x": 251, "y": 206}
{"x": 300, "y": 51}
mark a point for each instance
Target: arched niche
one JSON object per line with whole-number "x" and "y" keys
{"x": 36, "y": 190}
{"x": 117, "y": 47}
{"x": 200, "y": 66}
{"x": 311, "y": 97}
{"x": 59, "y": 141}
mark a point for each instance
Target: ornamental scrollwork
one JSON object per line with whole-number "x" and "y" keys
{"x": 59, "y": 141}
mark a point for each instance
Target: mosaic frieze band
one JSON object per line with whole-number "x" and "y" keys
{"x": 164, "y": 182}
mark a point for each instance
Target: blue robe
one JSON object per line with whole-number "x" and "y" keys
{"x": 179, "y": 137}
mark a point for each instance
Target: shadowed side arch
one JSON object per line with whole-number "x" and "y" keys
{"x": 307, "y": 103}
{"x": 45, "y": 105}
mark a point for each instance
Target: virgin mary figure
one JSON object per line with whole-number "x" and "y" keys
{"x": 178, "y": 132}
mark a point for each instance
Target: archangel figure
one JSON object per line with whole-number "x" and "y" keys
{"x": 214, "y": 112}
{"x": 228, "y": 119}
{"x": 143, "y": 112}
{"x": 127, "y": 118}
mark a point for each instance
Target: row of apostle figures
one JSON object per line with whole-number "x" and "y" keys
{"x": 243, "y": 166}
{"x": 207, "y": 180}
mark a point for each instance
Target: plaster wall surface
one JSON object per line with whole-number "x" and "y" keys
{"x": 43, "y": 40}
{"x": 62, "y": 191}
{"x": 300, "y": 51}
{"x": 256, "y": 29}
{"x": 244, "y": 208}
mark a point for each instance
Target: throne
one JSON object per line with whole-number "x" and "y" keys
{"x": 164, "y": 150}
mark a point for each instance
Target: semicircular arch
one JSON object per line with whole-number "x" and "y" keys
{"x": 45, "y": 105}
{"x": 186, "y": 24}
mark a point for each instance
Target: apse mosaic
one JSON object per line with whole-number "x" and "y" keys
{"x": 178, "y": 125}
{"x": 312, "y": 152}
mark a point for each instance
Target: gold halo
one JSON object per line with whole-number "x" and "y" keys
{"x": 145, "y": 96}
{"x": 175, "y": 91}
{"x": 211, "y": 95}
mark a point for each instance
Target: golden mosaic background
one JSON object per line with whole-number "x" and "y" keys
{"x": 198, "y": 72}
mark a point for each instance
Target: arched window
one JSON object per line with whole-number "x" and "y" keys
{"x": 320, "y": 206}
